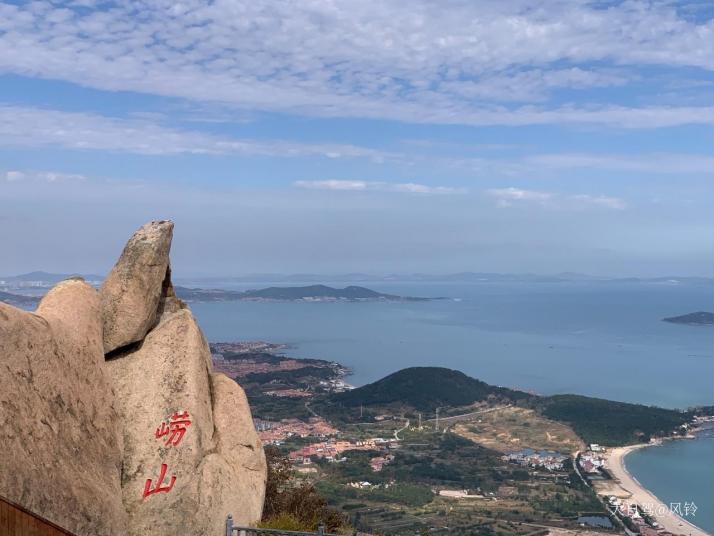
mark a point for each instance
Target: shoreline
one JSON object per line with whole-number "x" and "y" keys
{"x": 671, "y": 522}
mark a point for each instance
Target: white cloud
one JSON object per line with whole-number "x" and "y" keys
{"x": 508, "y": 197}
{"x": 35, "y": 127}
{"x": 614, "y": 203}
{"x": 423, "y": 61}
{"x": 348, "y": 185}
{"x": 333, "y": 185}
{"x": 42, "y": 176}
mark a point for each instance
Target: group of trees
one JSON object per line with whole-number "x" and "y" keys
{"x": 294, "y": 505}
{"x": 611, "y": 423}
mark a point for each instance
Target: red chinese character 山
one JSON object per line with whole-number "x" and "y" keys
{"x": 175, "y": 429}
{"x": 159, "y": 488}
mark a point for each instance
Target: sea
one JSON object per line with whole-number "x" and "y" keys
{"x": 597, "y": 338}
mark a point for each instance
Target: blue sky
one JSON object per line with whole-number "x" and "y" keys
{"x": 358, "y": 135}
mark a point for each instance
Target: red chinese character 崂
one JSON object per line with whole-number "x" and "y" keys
{"x": 159, "y": 488}
{"x": 178, "y": 422}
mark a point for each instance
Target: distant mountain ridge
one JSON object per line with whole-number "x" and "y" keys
{"x": 465, "y": 276}
{"x": 459, "y": 277}
{"x": 47, "y": 277}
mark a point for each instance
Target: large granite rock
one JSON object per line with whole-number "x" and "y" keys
{"x": 133, "y": 290}
{"x": 218, "y": 462}
{"x": 111, "y": 419}
{"x": 242, "y": 452}
{"x": 60, "y": 440}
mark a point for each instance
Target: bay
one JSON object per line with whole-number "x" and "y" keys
{"x": 603, "y": 339}
{"x": 680, "y": 474}
{"x": 599, "y": 339}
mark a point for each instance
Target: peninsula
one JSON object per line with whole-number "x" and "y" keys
{"x": 303, "y": 293}
{"x": 393, "y": 455}
{"x": 310, "y": 293}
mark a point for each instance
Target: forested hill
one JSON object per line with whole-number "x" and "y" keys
{"x": 425, "y": 389}
{"x": 310, "y": 292}
{"x": 611, "y": 423}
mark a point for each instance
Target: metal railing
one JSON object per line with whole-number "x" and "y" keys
{"x": 232, "y": 530}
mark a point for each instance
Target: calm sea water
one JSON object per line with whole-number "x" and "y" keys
{"x": 598, "y": 339}
{"x": 680, "y": 472}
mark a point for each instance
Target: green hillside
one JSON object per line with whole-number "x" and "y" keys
{"x": 611, "y": 423}
{"x": 425, "y": 389}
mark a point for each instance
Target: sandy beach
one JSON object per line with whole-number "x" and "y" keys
{"x": 628, "y": 487}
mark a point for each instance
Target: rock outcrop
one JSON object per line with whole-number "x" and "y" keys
{"x": 132, "y": 291}
{"x": 59, "y": 431}
{"x": 217, "y": 471}
{"x": 112, "y": 417}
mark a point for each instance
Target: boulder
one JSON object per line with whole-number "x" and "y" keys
{"x": 217, "y": 466}
{"x": 111, "y": 419}
{"x": 133, "y": 290}
{"x": 59, "y": 431}
{"x": 238, "y": 445}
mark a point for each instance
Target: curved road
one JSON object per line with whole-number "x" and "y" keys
{"x": 396, "y": 432}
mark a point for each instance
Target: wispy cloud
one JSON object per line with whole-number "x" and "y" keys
{"x": 476, "y": 63}
{"x": 361, "y": 186}
{"x": 36, "y": 127}
{"x": 509, "y": 197}
{"x": 506, "y": 196}
{"x": 41, "y": 176}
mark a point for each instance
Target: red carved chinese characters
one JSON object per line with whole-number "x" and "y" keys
{"x": 176, "y": 428}
{"x": 159, "y": 488}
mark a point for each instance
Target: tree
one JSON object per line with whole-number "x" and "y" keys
{"x": 294, "y": 506}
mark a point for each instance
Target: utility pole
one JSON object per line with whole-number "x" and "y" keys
{"x": 420, "y": 421}
{"x": 436, "y": 422}
{"x": 361, "y": 411}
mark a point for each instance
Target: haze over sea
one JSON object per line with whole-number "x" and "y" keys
{"x": 603, "y": 339}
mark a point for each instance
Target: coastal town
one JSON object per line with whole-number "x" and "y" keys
{"x": 356, "y": 459}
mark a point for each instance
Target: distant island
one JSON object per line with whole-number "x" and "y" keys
{"x": 310, "y": 293}
{"x": 304, "y": 293}
{"x": 700, "y": 318}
